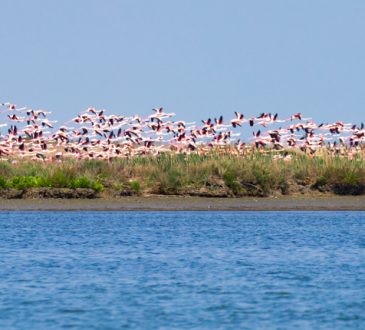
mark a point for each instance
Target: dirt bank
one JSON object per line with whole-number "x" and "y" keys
{"x": 172, "y": 203}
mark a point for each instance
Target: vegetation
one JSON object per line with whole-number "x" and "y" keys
{"x": 256, "y": 174}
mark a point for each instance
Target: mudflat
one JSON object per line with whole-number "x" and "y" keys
{"x": 179, "y": 203}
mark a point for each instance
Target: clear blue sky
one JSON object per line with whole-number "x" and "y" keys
{"x": 194, "y": 57}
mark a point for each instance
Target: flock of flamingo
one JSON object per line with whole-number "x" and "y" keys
{"x": 29, "y": 134}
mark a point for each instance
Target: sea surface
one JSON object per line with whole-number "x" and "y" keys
{"x": 182, "y": 270}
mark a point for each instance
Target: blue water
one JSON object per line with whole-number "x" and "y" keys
{"x": 182, "y": 270}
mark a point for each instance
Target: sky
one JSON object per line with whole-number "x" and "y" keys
{"x": 198, "y": 58}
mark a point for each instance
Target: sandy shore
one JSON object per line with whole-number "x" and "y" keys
{"x": 172, "y": 203}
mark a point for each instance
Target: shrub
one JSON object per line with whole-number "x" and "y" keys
{"x": 84, "y": 182}
{"x": 3, "y": 183}
{"x": 350, "y": 184}
{"x": 22, "y": 182}
{"x": 231, "y": 182}
{"x": 170, "y": 182}
{"x": 59, "y": 180}
{"x": 81, "y": 182}
{"x": 97, "y": 186}
{"x": 320, "y": 183}
{"x": 263, "y": 179}
{"x": 135, "y": 186}
{"x": 283, "y": 185}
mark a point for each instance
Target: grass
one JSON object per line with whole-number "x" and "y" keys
{"x": 256, "y": 174}
{"x": 30, "y": 181}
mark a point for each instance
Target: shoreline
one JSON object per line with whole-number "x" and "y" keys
{"x": 179, "y": 203}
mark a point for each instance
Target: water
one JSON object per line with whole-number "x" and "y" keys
{"x": 182, "y": 270}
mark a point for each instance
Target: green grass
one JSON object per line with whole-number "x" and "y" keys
{"x": 256, "y": 174}
{"x": 57, "y": 181}
{"x": 136, "y": 187}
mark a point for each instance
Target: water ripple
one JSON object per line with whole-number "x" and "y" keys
{"x": 182, "y": 270}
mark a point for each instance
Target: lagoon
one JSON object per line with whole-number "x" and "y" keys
{"x": 182, "y": 270}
